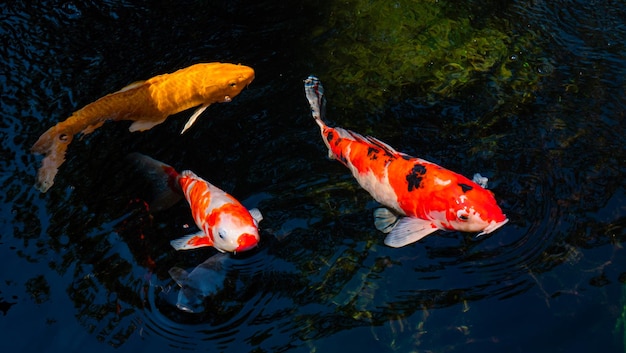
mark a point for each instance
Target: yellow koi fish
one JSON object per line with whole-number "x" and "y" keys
{"x": 146, "y": 103}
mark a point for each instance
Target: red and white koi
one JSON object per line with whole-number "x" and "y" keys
{"x": 224, "y": 222}
{"x": 420, "y": 197}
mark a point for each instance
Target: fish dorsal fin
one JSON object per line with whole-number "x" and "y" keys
{"x": 385, "y": 220}
{"x": 349, "y": 134}
{"x": 194, "y": 117}
{"x": 378, "y": 143}
{"x": 409, "y": 230}
{"x": 344, "y": 133}
{"x": 256, "y": 214}
{"x": 131, "y": 86}
{"x": 178, "y": 275}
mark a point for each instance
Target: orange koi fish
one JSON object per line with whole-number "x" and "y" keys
{"x": 146, "y": 103}
{"x": 420, "y": 197}
{"x": 224, "y": 222}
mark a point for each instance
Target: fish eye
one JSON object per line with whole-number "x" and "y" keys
{"x": 462, "y": 215}
{"x": 221, "y": 234}
{"x": 233, "y": 84}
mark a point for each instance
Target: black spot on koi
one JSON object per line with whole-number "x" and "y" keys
{"x": 372, "y": 153}
{"x": 414, "y": 178}
{"x": 465, "y": 187}
{"x": 329, "y": 136}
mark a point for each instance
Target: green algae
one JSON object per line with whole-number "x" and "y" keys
{"x": 371, "y": 52}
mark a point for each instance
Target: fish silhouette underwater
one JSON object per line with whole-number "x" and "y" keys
{"x": 145, "y": 103}
{"x": 204, "y": 281}
{"x": 420, "y": 197}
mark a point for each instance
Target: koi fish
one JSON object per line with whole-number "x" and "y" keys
{"x": 206, "y": 280}
{"x": 146, "y": 103}
{"x": 224, "y": 222}
{"x": 420, "y": 197}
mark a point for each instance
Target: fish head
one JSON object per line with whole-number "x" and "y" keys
{"x": 223, "y": 81}
{"x": 206, "y": 280}
{"x": 189, "y": 300}
{"x": 235, "y": 230}
{"x": 200, "y": 284}
{"x": 474, "y": 209}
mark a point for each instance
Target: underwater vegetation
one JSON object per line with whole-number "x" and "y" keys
{"x": 377, "y": 51}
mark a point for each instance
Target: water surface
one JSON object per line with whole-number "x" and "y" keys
{"x": 85, "y": 266}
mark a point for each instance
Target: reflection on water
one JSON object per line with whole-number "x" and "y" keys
{"x": 92, "y": 262}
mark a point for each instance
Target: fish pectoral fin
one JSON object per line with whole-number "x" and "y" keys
{"x": 143, "y": 125}
{"x": 194, "y": 117}
{"x": 480, "y": 180}
{"x": 191, "y": 241}
{"x": 256, "y": 214}
{"x": 385, "y": 220}
{"x": 178, "y": 275}
{"x": 409, "y": 230}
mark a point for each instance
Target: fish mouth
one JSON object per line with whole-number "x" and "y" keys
{"x": 493, "y": 225}
{"x": 246, "y": 241}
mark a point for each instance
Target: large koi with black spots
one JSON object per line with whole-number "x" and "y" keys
{"x": 420, "y": 197}
{"x": 224, "y": 222}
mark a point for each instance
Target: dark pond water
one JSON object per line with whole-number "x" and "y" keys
{"x": 85, "y": 266}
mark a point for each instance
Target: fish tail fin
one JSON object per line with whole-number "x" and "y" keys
{"x": 162, "y": 177}
{"x": 385, "y": 220}
{"x": 53, "y": 145}
{"x": 314, "y": 92}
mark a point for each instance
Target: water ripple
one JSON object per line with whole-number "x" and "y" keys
{"x": 593, "y": 30}
{"x": 232, "y": 318}
{"x": 556, "y": 164}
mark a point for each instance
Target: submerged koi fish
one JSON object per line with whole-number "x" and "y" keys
{"x": 425, "y": 196}
{"x": 205, "y": 280}
{"x": 224, "y": 222}
{"x": 146, "y": 103}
